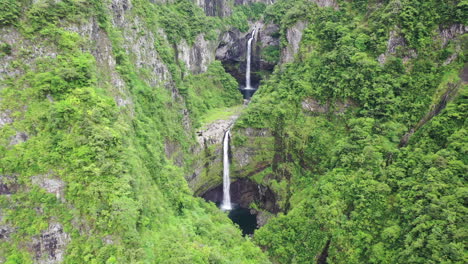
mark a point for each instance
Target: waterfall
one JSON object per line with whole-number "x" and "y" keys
{"x": 226, "y": 205}
{"x": 249, "y": 55}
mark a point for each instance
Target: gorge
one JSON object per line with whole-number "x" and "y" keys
{"x": 130, "y": 131}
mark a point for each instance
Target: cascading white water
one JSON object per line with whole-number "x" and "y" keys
{"x": 248, "y": 86}
{"x": 226, "y": 205}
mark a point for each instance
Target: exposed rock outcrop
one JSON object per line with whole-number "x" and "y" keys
{"x": 50, "y": 185}
{"x": 19, "y": 137}
{"x": 244, "y": 192}
{"x": 396, "y": 42}
{"x": 232, "y": 51}
{"x": 294, "y": 37}
{"x": 5, "y": 119}
{"x": 213, "y": 133}
{"x": 450, "y": 33}
{"x": 101, "y": 49}
{"x": 326, "y": 3}
{"x": 249, "y": 159}
{"x": 208, "y": 168}
{"x": 49, "y": 247}
{"x": 246, "y": 2}
{"x": 199, "y": 56}
{"x": 8, "y": 184}
{"x": 314, "y": 106}
{"x": 221, "y": 8}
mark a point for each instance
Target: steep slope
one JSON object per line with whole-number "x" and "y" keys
{"x": 99, "y": 105}
{"x": 325, "y": 132}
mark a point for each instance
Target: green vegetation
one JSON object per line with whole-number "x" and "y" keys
{"x": 341, "y": 175}
{"x": 220, "y": 114}
{"x": 244, "y": 13}
{"x": 118, "y": 132}
{"x": 125, "y": 201}
{"x": 209, "y": 91}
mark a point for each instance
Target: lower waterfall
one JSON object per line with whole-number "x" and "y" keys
{"x": 226, "y": 205}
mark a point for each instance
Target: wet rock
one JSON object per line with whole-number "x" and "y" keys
{"x": 214, "y": 133}
{"x": 232, "y": 51}
{"x": 262, "y": 217}
{"x": 49, "y": 247}
{"x": 244, "y": 192}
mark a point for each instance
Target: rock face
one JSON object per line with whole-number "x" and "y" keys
{"x": 5, "y": 119}
{"x": 244, "y": 192}
{"x": 50, "y": 185}
{"x": 294, "y": 37}
{"x": 8, "y": 184}
{"x": 326, "y": 3}
{"x": 223, "y": 8}
{"x": 219, "y": 8}
{"x": 208, "y": 168}
{"x": 214, "y": 132}
{"x": 232, "y": 51}
{"x": 396, "y": 41}
{"x": 49, "y": 247}
{"x": 447, "y": 34}
{"x": 199, "y": 56}
{"x": 19, "y": 137}
{"x": 246, "y": 2}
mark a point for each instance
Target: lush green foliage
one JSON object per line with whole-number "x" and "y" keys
{"x": 9, "y": 11}
{"x": 343, "y": 177}
{"x": 243, "y": 13}
{"x": 124, "y": 199}
{"x": 213, "y": 89}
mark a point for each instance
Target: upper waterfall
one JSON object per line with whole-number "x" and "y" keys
{"x": 248, "y": 86}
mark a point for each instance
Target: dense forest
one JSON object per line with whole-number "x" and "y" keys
{"x": 358, "y": 130}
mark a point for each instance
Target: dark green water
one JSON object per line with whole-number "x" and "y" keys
{"x": 246, "y": 221}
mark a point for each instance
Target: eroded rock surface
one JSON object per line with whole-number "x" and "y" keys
{"x": 8, "y": 184}
{"x": 50, "y": 185}
{"x": 337, "y": 108}
{"x": 294, "y": 37}
{"x": 49, "y": 247}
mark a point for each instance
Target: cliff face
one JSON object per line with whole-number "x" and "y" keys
{"x": 232, "y": 51}
{"x": 93, "y": 105}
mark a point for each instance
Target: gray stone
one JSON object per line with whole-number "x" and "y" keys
{"x": 5, "y": 119}
{"x": 49, "y": 247}
{"x": 8, "y": 184}
{"x": 50, "y": 185}
{"x": 294, "y": 37}
{"x": 18, "y": 138}
{"x": 199, "y": 56}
